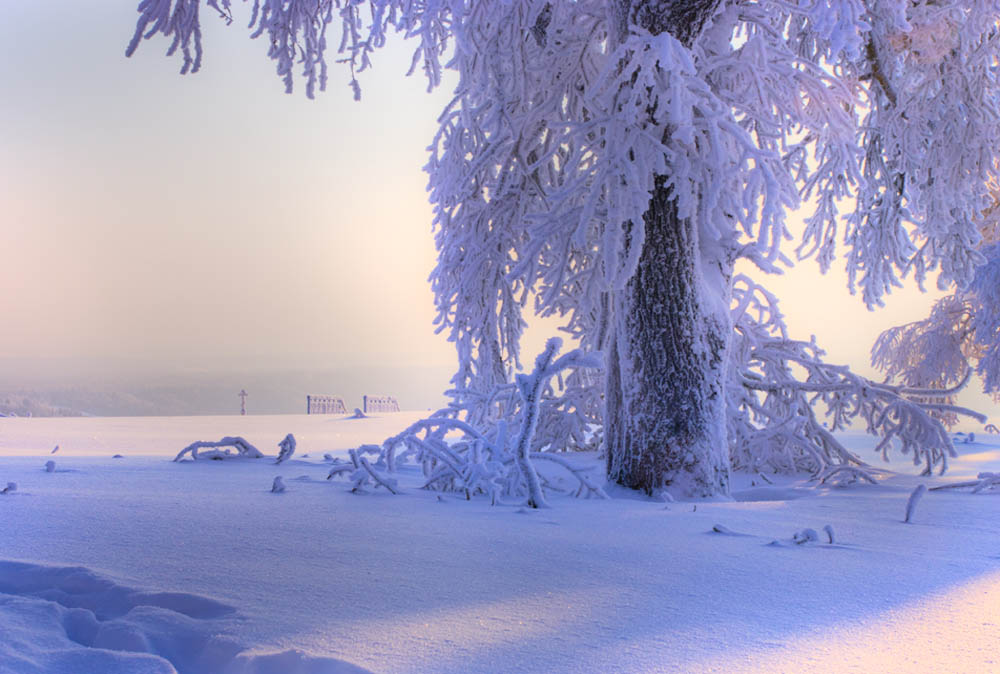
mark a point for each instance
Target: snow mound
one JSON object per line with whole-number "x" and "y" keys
{"x": 69, "y": 619}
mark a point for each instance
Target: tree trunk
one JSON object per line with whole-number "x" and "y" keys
{"x": 666, "y": 365}
{"x": 665, "y": 420}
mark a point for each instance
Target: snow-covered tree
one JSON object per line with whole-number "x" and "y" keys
{"x": 612, "y": 161}
{"x": 960, "y": 336}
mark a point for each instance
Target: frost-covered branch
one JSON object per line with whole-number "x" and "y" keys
{"x": 243, "y": 449}
{"x": 960, "y": 336}
{"x": 780, "y": 383}
{"x": 986, "y": 481}
{"x": 361, "y": 473}
{"x": 477, "y": 454}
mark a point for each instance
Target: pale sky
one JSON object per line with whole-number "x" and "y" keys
{"x": 156, "y": 222}
{"x": 171, "y": 220}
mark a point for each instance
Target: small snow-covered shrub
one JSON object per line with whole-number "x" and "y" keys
{"x": 50, "y": 466}
{"x": 11, "y": 487}
{"x": 278, "y": 486}
{"x": 805, "y": 536}
{"x": 286, "y": 447}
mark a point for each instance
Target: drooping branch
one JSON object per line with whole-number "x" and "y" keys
{"x": 483, "y": 457}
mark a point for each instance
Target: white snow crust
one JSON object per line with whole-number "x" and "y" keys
{"x": 145, "y": 565}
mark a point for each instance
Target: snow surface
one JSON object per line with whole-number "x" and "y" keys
{"x": 139, "y": 564}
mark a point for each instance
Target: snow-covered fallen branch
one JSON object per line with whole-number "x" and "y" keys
{"x": 243, "y": 449}
{"x": 361, "y": 473}
{"x": 841, "y": 476}
{"x": 985, "y": 481}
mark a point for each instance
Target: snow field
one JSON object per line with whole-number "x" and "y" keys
{"x": 140, "y": 564}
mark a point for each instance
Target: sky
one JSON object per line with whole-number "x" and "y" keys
{"x": 158, "y": 223}
{"x": 153, "y": 220}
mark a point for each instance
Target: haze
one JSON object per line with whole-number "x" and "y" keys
{"x": 158, "y": 226}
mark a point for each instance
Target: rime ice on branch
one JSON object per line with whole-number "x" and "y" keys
{"x": 960, "y": 336}
{"x": 484, "y": 457}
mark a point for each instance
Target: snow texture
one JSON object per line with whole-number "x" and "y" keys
{"x": 407, "y": 583}
{"x": 71, "y": 619}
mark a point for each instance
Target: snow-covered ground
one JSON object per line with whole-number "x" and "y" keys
{"x": 139, "y": 564}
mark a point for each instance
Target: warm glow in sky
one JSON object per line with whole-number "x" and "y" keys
{"x": 210, "y": 218}
{"x": 160, "y": 222}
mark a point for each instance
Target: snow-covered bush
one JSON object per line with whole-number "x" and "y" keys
{"x": 50, "y": 466}
{"x": 286, "y": 447}
{"x": 805, "y": 536}
{"x": 11, "y": 487}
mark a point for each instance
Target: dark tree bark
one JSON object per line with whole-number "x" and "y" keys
{"x": 668, "y": 351}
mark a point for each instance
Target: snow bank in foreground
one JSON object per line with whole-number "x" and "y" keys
{"x": 72, "y": 620}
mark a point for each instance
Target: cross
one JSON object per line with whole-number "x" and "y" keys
{"x": 243, "y": 401}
